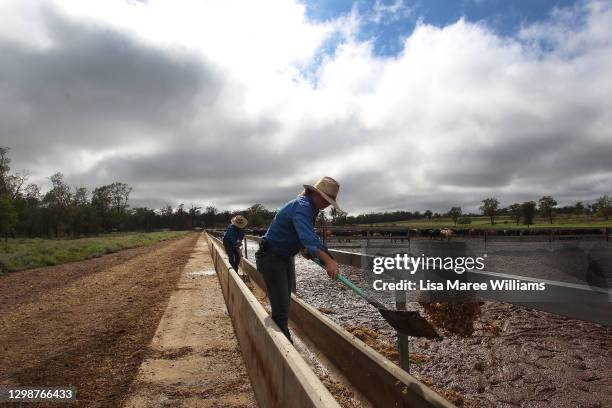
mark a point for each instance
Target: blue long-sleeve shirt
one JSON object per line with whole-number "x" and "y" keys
{"x": 233, "y": 235}
{"x": 293, "y": 228}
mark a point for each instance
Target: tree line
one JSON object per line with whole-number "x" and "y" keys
{"x": 76, "y": 211}
{"x": 526, "y": 212}
{"x": 66, "y": 211}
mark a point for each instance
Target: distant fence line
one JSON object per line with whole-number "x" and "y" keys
{"x": 395, "y": 233}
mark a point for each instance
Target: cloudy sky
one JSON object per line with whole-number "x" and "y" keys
{"x": 409, "y": 104}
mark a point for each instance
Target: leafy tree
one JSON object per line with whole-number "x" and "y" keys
{"x": 80, "y": 211}
{"x": 8, "y": 217}
{"x": 516, "y": 211}
{"x": 528, "y": 212}
{"x": 57, "y": 201}
{"x": 5, "y": 168}
{"x": 32, "y": 193}
{"x": 101, "y": 201}
{"x": 5, "y": 162}
{"x": 120, "y": 197}
{"x": 547, "y": 207}
{"x": 194, "y": 212}
{"x": 30, "y": 212}
{"x": 166, "y": 214}
{"x": 603, "y": 206}
{"x": 590, "y": 209}
{"x": 455, "y": 213}
{"x": 181, "y": 218}
{"x": 322, "y": 222}
{"x": 428, "y": 214}
{"x": 10, "y": 184}
{"x": 257, "y": 215}
{"x": 490, "y": 208}
{"x": 333, "y": 213}
{"x": 341, "y": 217}
{"x": 81, "y": 196}
{"x": 111, "y": 203}
{"x": 210, "y": 213}
{"x": 142, "y": 218}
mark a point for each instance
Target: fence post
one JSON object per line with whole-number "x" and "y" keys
{"x": 409, "y": 249}
{"x": 324, "y": 230}
{"x": 485, "y": 241}
{"x": 403, "y": 346}
{"x": 246, "y": 245}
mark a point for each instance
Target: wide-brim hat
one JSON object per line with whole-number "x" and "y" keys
{"x": 239, "y": 221}
{"x": 328, "y": 188}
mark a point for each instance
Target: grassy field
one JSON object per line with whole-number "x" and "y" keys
{"x": 503, "y": 222}
{"x": 18, "y": 254}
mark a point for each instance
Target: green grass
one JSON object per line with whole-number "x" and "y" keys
{"x": 19, "y": 254}
{"x": 503, "y": 222}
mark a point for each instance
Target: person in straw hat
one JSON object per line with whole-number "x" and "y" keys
{"x": 292, "y": 231}
{"x": 232, "y": 240}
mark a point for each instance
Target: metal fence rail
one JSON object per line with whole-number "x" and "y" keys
{"x": 583, "y": 302}
{"x": 589, "y": 303}
{"x": 378, "y": 379}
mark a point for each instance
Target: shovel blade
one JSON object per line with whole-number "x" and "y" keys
{"x": 410, "y": 323}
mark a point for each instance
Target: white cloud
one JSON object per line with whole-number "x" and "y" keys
{"x": 23, "y": 23}
{"x": 386, "y": 13}
{"x": 460, "y": 113}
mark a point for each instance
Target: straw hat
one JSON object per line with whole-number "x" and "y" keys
{"x": 328, "y": 188}
{"x": 239, "y": 221}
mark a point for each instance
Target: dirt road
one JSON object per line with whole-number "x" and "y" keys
{"x": 87, "y": 324}
{"x": 195, "y": 360}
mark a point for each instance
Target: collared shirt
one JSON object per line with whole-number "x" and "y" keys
{"x": 293, "y": 228}
{"x": 234, "y": 235}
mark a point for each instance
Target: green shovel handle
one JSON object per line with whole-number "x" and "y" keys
{"x": 345, "y": 281}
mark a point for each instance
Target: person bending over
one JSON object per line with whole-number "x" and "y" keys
{"x": 232, "y": 240}
{"x": 292, "y": 231}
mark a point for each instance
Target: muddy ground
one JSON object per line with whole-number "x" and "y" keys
{"x": 87, "y": 324}
{"x": 516, "y": 357}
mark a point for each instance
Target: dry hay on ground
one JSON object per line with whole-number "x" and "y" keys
{"x": 455, "y": 318}
{"x": 450, "y": 395}
{"x": 378, "y": 341}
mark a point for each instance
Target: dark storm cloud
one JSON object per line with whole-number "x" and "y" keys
{"x": 93, "y": 88}
{"x": 537, "y": 153}
{"x": 545, "y": 163}
{"x": 225, "y": 174}
{"x": 231, "y": 163}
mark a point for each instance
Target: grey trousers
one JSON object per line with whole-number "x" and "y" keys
{"x": 279, "y": 274}
{"x": 232, "y": 255}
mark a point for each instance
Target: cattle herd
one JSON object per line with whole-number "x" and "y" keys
{"x": 347, "y": 234}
